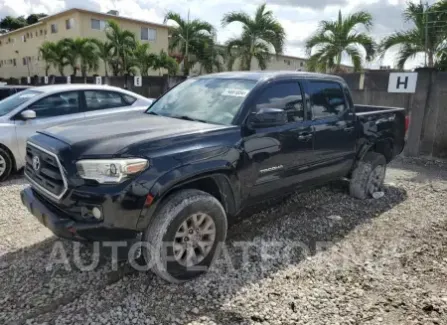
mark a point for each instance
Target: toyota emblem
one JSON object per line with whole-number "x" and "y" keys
{"x": 36, "y": 163}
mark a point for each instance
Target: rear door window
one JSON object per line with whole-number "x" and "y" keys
{"x": 100, "y": 99}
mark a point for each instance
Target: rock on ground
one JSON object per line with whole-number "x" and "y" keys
{"x": 320, "y": 257}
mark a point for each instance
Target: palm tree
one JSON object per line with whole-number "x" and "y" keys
{"x": 427, "y": 36}
{"x": 260, "y": 35}
{"x": 123, "y": 44}
{"x": 334, "y": 39}
{"x": 83, "y": 51}
{"x": 54, "y": 54}
{"x": 163, "y": 61}
{"x": 187, "y": 37}
{"x": 104, "y": 53}
{"x": 142, "y": 57}
{"x": 46, "y": 53}
{"x": 210, "y": 57}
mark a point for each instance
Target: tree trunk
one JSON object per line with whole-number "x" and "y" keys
{"x": 186, "y": 66}
{"x": 186, "y": 59}
{"x": 105, "y": 69}
{"x": 337, "y": 67}
{"x": 61, "y": 70}
{"x": 431, "y": 62}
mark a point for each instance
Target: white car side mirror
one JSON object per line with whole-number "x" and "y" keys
{"x": 29, "y": 114}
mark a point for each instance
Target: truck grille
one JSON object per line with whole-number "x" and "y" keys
{"x": 44, "y": 170}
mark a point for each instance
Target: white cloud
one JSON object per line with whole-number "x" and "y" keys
{"x": 299, "y": 18}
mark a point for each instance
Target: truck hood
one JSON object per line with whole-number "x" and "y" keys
{"x": 105, "y": 136}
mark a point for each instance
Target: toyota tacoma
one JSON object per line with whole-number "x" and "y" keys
{"x": 213, "y": 145}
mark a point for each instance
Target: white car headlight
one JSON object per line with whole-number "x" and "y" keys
{"x": 110, "y": 170}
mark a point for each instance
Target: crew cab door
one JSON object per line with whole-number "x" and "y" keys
{"x": 333, "y": 123}
{"x": 52, "y": 110}
{"x": 278, "y": 155}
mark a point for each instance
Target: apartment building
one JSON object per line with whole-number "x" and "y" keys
{"x": 19, "y": 49}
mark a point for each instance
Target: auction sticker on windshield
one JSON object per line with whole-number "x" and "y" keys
{"x": 235, "y": 92}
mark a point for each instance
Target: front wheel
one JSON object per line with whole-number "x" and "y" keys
{"x": 185, "y": 235}
{"x": 6, "y": 164}
{"x": 368, "y": 176}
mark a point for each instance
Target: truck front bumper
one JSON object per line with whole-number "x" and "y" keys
{"x": 66, "y": 227}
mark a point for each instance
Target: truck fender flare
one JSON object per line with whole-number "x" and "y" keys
{"x": 223, "y": 176}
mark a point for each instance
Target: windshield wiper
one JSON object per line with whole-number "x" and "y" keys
{"x": 152, "y": 113}
{"x": 188, "y": 118}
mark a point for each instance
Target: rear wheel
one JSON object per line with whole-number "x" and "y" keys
{"x": 185, "y": 235}
{"x": 6, "y": 164}
{"x": 367, "y": 178}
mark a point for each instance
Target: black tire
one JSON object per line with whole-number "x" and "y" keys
{"x": 168, "y": 219}
{"x": 359, "y": 186}
{"x": 8, "y": 164}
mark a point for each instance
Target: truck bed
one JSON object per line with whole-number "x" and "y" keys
{"x": 372, "y": 109}
{"x": 387, "y": 119}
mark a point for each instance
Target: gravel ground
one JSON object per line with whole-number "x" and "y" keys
{"x": 378, "y": 261}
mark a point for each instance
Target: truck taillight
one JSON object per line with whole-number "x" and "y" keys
{"x": 407, "y": 123}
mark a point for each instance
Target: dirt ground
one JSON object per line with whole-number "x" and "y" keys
{"x": 378, "y": 261}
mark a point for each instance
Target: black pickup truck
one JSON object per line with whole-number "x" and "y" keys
{"x": 202, "y": 152}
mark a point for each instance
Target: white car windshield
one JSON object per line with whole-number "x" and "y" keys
{"x": 10, "y": 103}
{"x": 211, "y": 100}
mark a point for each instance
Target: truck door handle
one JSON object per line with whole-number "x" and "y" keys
{"x": 305, "y": 136}
{"x": 348, "y": 129}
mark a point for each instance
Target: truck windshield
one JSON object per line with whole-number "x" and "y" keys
{"x": 12, "y": 102}
{"x": 211, "y": 100}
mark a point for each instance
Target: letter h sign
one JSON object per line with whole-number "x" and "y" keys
{"x": 402, "y": 82}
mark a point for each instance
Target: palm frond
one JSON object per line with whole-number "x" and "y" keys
{"x": 171, "y": 15}
{"x": 407, "y": 51}
{"x": 358, "y": 18}
{"x": 240, "y": 17}
{"x": 355, "y": 57}
{"x": 365, "y": 41}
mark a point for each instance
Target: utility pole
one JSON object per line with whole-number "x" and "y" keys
{"x": 426, "y": 31}
{"x": 187, "y": 45}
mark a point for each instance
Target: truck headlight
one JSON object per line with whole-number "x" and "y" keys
{"x": 110, "y": 170}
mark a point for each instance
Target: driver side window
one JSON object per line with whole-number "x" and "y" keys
{"x": 56, "y": 105}
{"x": 286, "y": 96}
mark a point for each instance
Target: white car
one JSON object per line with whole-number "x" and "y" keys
{"x": 34, "y": 109}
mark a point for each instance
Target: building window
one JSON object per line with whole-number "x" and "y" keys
{"x": 45, "y": 32}
{"x": 23, "y": 38}
{"x": 14, "y": 62}
{"x": 287, "y": 62}
{"x": 98, "y": 24}
{"x": 53, "y": 28}
{"x": 302, "y": 64}
{"x": 148, "y": 34}
{"x": 41, "y": 32}
{"x": 37, "y": 34}
{"x": 24, "y": 61}
{"x": 69, "y": 23}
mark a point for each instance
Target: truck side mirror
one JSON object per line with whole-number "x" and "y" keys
{"x": 268, "y": 117}
{"x": 28, "y": 114}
